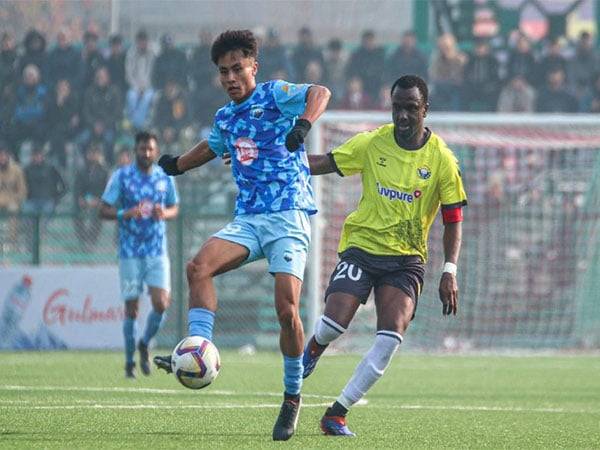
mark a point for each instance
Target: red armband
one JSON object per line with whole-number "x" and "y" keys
{"x": 452, "y": 215}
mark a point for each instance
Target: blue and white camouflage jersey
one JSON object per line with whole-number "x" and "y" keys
{"x": 269, "y": 178}
{"x": 129, "y": 187}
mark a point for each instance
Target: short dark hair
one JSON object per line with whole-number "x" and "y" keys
{"x": 230, "y": 40}
{"x": 141, "y": 35}
{"x": 411, "y": 81}
{"x": 115, "y": 39}
{"x": 144, "y": 136}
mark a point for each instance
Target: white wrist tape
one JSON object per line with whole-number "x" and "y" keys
{"x": 450, "y": 268}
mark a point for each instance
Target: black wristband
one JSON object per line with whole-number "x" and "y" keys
{"x": 304, "y": 124}
{"x": 169, "y": 165}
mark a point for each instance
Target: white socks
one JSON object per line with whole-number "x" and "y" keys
{"x": 370, "y": 369}
{"x": 327, "y": 330}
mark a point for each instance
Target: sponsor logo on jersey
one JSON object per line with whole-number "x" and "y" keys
{"x": 424, "y": 172}
{"x": 256, "y": 112}
{"x": 246, "y": 150}
{"x": 393, "y": 194}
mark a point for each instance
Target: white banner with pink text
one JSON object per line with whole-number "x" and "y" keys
{"x": 62, "y": 308}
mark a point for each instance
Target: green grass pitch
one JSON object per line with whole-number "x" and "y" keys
{"x": 81, "y": 400}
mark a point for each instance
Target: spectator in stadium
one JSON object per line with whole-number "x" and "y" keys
{"x": 141, "y": 197}
{"x": 35, "y": 54}
{"x": 446, "y": 73}
{"x": 584, "y": 65}
{"x": 89, "y": 185}
{"x": 139, "y": 63}
{"x": 45, "y": 185}
{"x": 374, "y": 258}
{"x": 101, "y": 111}
{"x": 139, "y": 104}
{"x": 64, "y": 61}
{"x": 30, "y": 114}
{"x": 201, "y": 71}
{"x": 355, "y": 97}
{"x": 92, "y": 59}
{"x": 170, "y": 64}
{"x": 313, "y": 73}
{"x": 406, "y": 59}
{"x": 123, "y": 157}
{"x": 116, "y": 63}
{"x": 336, "y": 60}
{"x": 517, "y": 96}
{"x": 367, "y": 62}
{"x": 521, "y": 61}
{"x": 482, "y": 79}
{"x": 63, "y": 120}
{"x": 554, "y": 96}
{"x": 591, "y": 101}
{"x": 273, "y": 58}
{"x": 552, "y": 61}
{"x": 13, "y": 189}
{"x": 8, "y": 61}
{"x": 172, "y": 113}
{"x": 304, "y": 52}
{"x": 205, "y": 100}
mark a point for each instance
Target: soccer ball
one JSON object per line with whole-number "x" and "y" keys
{"x": 195, "y": 362}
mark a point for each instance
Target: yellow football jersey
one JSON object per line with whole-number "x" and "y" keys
{"x": 402, "y": 191}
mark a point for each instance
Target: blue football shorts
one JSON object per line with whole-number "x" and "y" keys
{"x": 281, "y": 237}
{"x": 134, "y": 273}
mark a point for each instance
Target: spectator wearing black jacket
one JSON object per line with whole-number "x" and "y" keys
{"x": 64, "y": 119}
{"x": 482, "y": 81}
{"x": 172, "y": 113}
{"x": 35, "y": 53}
{"x": 552, "y": 61}
{"x": 366, "y": 63}
{"x": 92, "y": 59}
{"x": 102, "y": 109}
{"x": 273, "y": 58}
{"x": 406, "y": 60}
{"x": 170, "y": 64}
{"x": 201, "y": 67}
{"x": 64, "y": 61}
{"x": 554, "y": 96}
{"x": 116, "y": 63}
{"x": 304, "y": 52}
{"x": 521, "y": 61}
{"x": 8, "y": 61}
{"x": 45, "y": 185}
{"x": 89, "y": 185}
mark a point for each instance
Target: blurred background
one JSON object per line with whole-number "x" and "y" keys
{"x": 515, "y": 87}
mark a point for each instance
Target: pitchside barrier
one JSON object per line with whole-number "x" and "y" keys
{"x": 529, "y": 271}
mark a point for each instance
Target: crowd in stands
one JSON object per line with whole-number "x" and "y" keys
{"x": 84, "y": 100}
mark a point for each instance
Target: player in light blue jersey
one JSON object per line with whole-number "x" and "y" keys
{"x": 263, "y": 129}
{"x": 141, "y": 196}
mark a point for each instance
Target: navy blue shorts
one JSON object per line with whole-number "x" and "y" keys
{"x": 358, "y": 272}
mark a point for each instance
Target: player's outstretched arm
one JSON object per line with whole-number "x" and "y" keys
{"x": 448, "y": 284}
{"x": 321, "y": 164}
{"x": 317, "y": 99}
{"x": 198, "y": 155}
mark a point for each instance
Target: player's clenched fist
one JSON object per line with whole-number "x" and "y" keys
{"x": 296, "y": 136}
{"x": 169, "y": 164}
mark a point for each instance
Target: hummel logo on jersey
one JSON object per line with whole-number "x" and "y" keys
{"x": 287, "y": 256}
{"x": 393, "y": 194}
{"x": 381, "y": 162}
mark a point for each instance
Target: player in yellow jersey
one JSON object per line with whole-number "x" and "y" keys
{"x": 407, "y": 172}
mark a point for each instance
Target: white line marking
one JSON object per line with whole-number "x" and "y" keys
{"x": 152, "y": 406}
{"x": 485, "y": 408}
{"x": 151, "y": 391}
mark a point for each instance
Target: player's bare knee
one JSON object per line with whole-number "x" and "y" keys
{"x": 162, "y": 305}
{"x": 131, "y": 309}
{"x": 288, "y": 316}
{"x": 198, "y": 269}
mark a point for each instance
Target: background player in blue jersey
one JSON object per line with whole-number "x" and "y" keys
{"x": 263, "y": 128}
{"x": 140, "y": 196}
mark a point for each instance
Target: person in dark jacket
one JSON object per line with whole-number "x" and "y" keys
{"x": 8, "y": 61}
{"x": 45, "y": 185}
{"x": 116, "y": 63}
{"x": 170, "y": 64}
{"x": 554, "y": 97}
{"x": 304, "y": 52}
{"x": 35, "y": 53}
{"x": 89, "y": 185}
{"x": 521, "y": 61}
{"x": 367, "y": 63}
{"x": 64, "y": 61}
{"x": 482, "y": 79}
{"x": 64, "y": 120}
{"x": 92, "y": 59}
{"x": 406, "y": 59}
